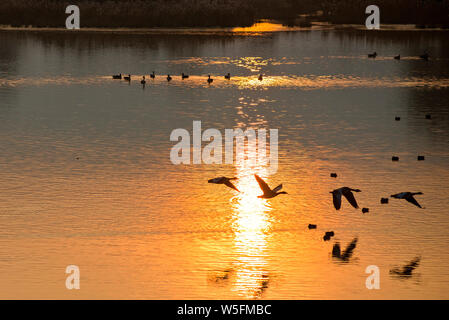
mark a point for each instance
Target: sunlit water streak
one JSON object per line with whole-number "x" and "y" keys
{"x": 86, "y": 176}
{"x": 239, "y": 82}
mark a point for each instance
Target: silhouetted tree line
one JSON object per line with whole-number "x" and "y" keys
{"x": 215, "y": 13}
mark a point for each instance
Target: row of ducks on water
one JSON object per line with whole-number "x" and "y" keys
{"x": 169, "y": 77}
{"x": 424, "y": 56}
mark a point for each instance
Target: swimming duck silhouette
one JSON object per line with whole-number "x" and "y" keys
{"x": 425, "y": 56}
{"x": 152, "y": 76}
{"x": 267, "y": 192}
{"x": 372, "y": 55}
{"x": 347, "y": 193}
{"x": 260, "y": 77}
{"x": 225, "y": 181}
{"x": 127, "y": 78}
{"x": 408, "y": 196}
{"x": 117, "y": 76}
{"x": 168, "y": 78}
{"x": 184, "y": 76}
{"x": 143, "y": 81}
{"x": 398, "y": 57}
{"x": 209, "y": 80}
{"x": 228, "y": 76}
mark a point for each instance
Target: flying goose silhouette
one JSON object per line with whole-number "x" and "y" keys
{"x": 209, "y": 80}
{"x": 408, "y": 196}
{"x": 225, "y": 181}
{"x": 407, "y": 269}
{"x": 345, "y": 255}
{"x": 267, "y": 192}
{"x": 347, "y": 193}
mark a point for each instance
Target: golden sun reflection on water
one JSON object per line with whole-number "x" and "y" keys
{"x": 251, "y": 228}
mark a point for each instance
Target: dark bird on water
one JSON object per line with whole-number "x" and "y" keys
{"x": 425, "y": 56}
{"x": 267, "y": 192}
{"x": 394, "y": 158}
{"x": 384, "y": 200}
{"x": 365, "y": 210}
{"x": 372, "y": 55}
{"x": 347, "y": 193}
{"x": 408, "y": 196}
{"x": 225, "y": 181}
{"x": 127, "y": 78}
{"x": 143, "y": 81}
{"x": 345, "y": 255}
{"x": 168, "y": 78}
{"x": 328, "y": 235}
{"x": 152, "y": 76}
{"x": 209, "y": 80}
{"x": 184, "y": 76}
{"x": 407, "y": 269}
{"x": 397, "y": 118}
{"x": 228, "y": 76}
{"x": 398, "y": 57}
{"x": 312, "y": 226}
{"x": 428, "y": 116}
{"x": 117, "y": 76}
{"x": 421, "y": 158}
{"x": 260, "y": 77}
{"x": 333, "y": 175}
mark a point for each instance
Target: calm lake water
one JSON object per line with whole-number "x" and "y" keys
{"x": 86, "y": 177}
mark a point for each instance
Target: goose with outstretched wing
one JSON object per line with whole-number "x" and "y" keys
{"x": 225, "y": 181}
{"x": 267, "y": 191}
{"x": 347, "y": 193}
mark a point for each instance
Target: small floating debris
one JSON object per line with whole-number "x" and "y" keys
{"x": 328, "y": 235}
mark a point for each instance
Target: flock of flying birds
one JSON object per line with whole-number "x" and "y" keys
{"x": 348, "y": 194}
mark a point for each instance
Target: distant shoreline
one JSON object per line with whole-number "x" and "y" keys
{"x": 275, "y": 27}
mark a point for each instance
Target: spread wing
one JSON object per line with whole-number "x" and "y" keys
{"x": 350, "y": 197}
{"x": 278, "y": 188}
{"x": 411, "y": 199}
{"x": 412, "y": 265}
{"x": 263, "y": 185}
{"x": 336, "y": 196}
{"x": 349, "y": 249}
{"x": 230, "y": 185}
{"x": 216, "y": 180}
